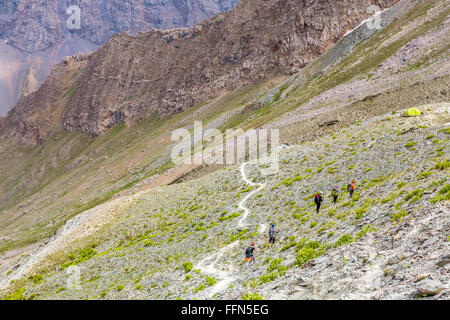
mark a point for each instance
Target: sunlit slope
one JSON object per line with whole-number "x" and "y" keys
{"x": 164, "y": 243}
{"x": 405, "y": 65}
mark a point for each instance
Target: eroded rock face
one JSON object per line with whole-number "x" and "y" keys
{"x": 164, "y": 72}
{"x": 37, "y": 115}
{"x": 34, "y": 34}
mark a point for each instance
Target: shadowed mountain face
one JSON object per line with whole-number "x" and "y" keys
{"x": 21, "y": 73}
{"x": 36, "y": 34}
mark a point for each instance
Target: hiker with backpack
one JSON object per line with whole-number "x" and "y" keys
{"x": 249, "y": 254}
{"x": 351, "y": 188}
{"x": 272, "y": 232}
{"x": 335, "y": 194}
{"x": 318, "y": 200}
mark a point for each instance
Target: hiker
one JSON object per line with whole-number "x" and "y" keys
{"x": 335, "y": 194}
{"x": 351, "y": 188}
{"x": 318, "y": 200}
{"x": 249, "y": 254}
{"x": 272, "y": 232}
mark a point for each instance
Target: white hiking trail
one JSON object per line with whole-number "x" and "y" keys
{"x": 241, "y": 204}
{"x": 226, "y": 276}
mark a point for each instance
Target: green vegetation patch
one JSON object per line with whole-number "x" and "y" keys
{"x": 188, "y": 266}
{"x": 84, "y": 255}
{"x": 344, "y": 239}
{"x": 252, "y": 296}
{"x": 414, "y": 196}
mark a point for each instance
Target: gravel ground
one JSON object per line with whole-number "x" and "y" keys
{"x": 398, "y": 241}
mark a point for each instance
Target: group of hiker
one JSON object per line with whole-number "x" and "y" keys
{"x": 334, "y": 193}
{"x": 318, "y": 199}
{"x": 249, "y": 251}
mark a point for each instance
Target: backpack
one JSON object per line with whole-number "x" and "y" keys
{"x": 248, "y": 252}
{"x": 349, "y": 187}
{"x": 272, "y": 232}
{"x": 316, "y": 198}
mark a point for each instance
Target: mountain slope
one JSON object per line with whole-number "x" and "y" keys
{"x": 163, "y": 72}
{"x": 345, "y": 109}
{"x": 388, "y": 241}
{"x": 34, "y": 35}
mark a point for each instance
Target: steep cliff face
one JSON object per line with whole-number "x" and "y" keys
{"x": 164, "y": 72}
{"x": 168, "y": 71}
{"x": 34, "y": 34}
{"x": 38, "y": 115}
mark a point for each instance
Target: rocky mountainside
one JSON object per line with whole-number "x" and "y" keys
{"x": 34, "y": 35}
{"x": 117, "y": 211}
{"x": 163, "y": 72}
{"x": 187, "y": 241}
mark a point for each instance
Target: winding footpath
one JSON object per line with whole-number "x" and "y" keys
{"x": 262, "y": 227}
{"x": 227, "y": 276}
